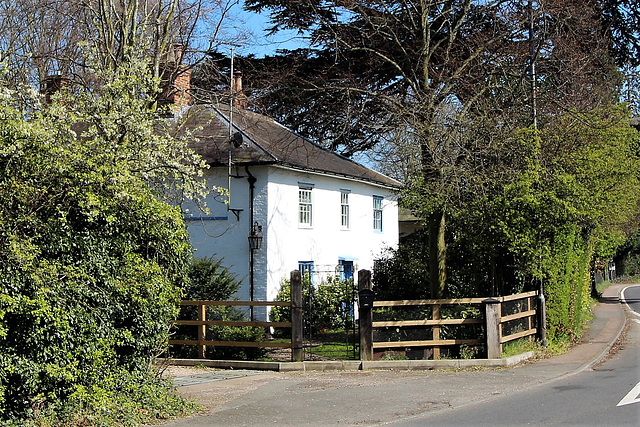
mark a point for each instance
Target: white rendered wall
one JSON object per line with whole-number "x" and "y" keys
{"x": 222, "y": 235}
{"x": 326, "y": 241}
{"x": 285, "y": 242}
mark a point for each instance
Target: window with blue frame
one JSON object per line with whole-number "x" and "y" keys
{"x": 305, "y": 268}
{"x": 346, "y": 269}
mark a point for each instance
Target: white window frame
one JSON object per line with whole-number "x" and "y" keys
{"x": 305, "y": 205}
{"x": 344, "y": 209}
{"x": 377, "y": 213}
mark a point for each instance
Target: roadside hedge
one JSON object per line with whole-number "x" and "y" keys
{"x": 91, "y": 265}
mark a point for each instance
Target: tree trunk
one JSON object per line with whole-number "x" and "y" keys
{"x": 437, "y": 254}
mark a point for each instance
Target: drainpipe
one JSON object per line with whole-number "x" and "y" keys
{"x": 252, "y": 185}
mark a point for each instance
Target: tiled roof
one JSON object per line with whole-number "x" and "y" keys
{"x": 265, "y": 142}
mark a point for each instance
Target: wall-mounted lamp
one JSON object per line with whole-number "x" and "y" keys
{"x": 255, "y": 236}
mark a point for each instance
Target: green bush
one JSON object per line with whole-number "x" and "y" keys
{"x": 403, "y": 273}
{"x": 325, "y": 306}
{"x": 209, "y": 280}
{"x": 91, "y": 260}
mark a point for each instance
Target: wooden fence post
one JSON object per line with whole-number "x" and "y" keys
{"x": 202, "y": 330}
{"x": 436, "y": 331}
{"x": 297, "y": 351}
{"x": 365, "y": 318}
{"x": 542, "y": 319}
{"x": 493, "y": 310}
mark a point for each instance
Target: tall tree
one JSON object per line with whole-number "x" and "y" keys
{"x": 438, "y": 73}
{"x": 622, "y": 23}
{"x": 450, "y": 80}
{"x": 44, "y": 37}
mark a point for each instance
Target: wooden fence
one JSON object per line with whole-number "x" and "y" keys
{"x": 296, "y": 323}
{"x": 501, "y": 319}
{"x": 435, "y": 323}
{"x": 505, "y": 319}
{"x": 511, "y": 317}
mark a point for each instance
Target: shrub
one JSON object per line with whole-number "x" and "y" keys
{"x": 209, "y": 280}
{"x": 91, "y": 260}
{"x": 326, "y": 306}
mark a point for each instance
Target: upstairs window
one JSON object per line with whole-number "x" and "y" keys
{"x": 377, "y": 213}
{"x": 304, "y": 206}
{"x": 344, "y": 209}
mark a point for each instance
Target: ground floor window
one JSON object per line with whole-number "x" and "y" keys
{"x": 305, "y": 268}
{"x": 346, "y": 269}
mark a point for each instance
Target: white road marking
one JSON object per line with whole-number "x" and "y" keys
{"x": 625, "y": 301}
{"x": 631, "y": 397}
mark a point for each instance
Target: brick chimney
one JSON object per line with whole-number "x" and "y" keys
{"x": 176, "y": 80}
{"x": 239, "y": 98}
{"x": 53, "y": 84}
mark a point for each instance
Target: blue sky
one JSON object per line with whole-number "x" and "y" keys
{"x": 262, "y": 45}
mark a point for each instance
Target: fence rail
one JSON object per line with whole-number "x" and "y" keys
{"x": 202, "y": 324}
{"x": 529, "y": 315}
{"x": 505, "y": 319}
{"x": 296, "y": 323}
{"x": 238, "y": 303}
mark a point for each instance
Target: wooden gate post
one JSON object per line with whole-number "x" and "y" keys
{"x": 493, "y": 310}
{"x": 436, "y": 331}
{"x": 365, "y": 318}
{"x": 297, "y": 351}
{"x": 542, "y": 319}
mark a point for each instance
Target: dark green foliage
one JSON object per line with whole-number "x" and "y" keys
{"x": 209, "y": 280}
{"x": 623, "y": 24}
{"x": 477, "y": 267}
{"x": 91, "y": 261}
{"x": 627, "y": 257}
{"x": 403, "y": 273}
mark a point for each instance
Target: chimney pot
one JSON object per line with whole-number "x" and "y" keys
{"x": 239, "y": 98}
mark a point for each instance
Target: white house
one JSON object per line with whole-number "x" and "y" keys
{"x": 315, "y": 210}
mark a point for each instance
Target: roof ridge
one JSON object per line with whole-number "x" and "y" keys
{"x": 272, "y": 142}
{"x": 343, "y": 157}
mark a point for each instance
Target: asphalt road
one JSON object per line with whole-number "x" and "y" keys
{"x": 631, "y": 296}
{"x": 606, "y": 395}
